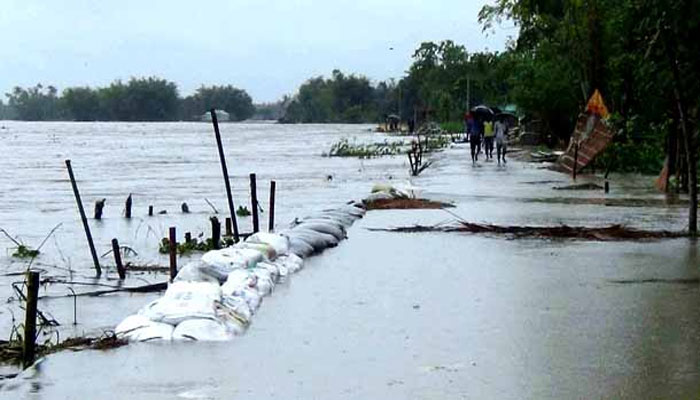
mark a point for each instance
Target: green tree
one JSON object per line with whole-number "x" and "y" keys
{"x": 141, "y": 99}
{"x": 234, "y": 101}
{"x": 36, "y": 103}
{"x": 81, "y": 104}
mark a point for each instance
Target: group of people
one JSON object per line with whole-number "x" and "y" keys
{"x": 485, "y": 130}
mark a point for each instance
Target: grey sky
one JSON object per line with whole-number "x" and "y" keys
{"x": 265, "y": 47}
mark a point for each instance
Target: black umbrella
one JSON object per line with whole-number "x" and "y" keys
{"x": 509, "y": 118}
{"x": 482, "y": 112}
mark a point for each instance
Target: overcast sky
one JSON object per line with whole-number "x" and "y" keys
{"x": 267, "y": 47}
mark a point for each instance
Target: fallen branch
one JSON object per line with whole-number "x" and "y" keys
{"x": 154, "y": 287}
{"x": 609, "y": 233}
{"x": 211, "y": 205}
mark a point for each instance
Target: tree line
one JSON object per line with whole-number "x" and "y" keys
{"x": 139, "y": 99}
{"x": 437, "y": 83}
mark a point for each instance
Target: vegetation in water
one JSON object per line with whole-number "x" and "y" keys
{"x": 344, "y": 148}
{"x": 23, "y": 251}
{"x": 194, "y": 245}
{"x": 243, "y": 211}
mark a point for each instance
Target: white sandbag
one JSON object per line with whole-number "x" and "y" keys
{"x": 234, "y": 308}
{"x": 219, "y": 263}
{"x": 205, "y": 330}
{"x": 194, "y": 272}
{"x": 322, "y": 226}
{"x": 355, "y": 209}
{"x": 278, "y": 242}
{"x": 293, "y": 262}
{"x": 138, "y": 328}
{"x": 318, "y": 240}
{"x": 269, "y": 253}
{"x": 264, "y": 284}
{"x": 184, "y": 300}
{"x": 272, "y": 267}
{"x": 340, "y": 217}
{"x": 378, "y": 196}
{"x": 251, "y": 296}
{"x": 238, "y": 280}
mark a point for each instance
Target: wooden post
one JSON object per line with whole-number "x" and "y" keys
{"x": 188, "y": 237}
{"x": 118, "y": 259}
{"x": 127, "y": 207}
{"x": 607, "y": 187}
{"x": 99, "y": 205}
{"x": 228, "y": 226}
{"x": 573, "y": 171}
{"x": 254, "y": 202}
{"x": 150, "y": 211}
{"x": 215, "y": 232}
{"x": 224, "y": 170}
{"x": 28, "y": 346}
{"x": 86, "y": 227}
{"x": 173, "y": 252}
{"x": 271, "y": 211}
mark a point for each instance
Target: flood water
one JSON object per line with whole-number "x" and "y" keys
{"x": 384, "y": 315}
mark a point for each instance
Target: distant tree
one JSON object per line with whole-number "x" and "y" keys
{"x": 36, "y": 103}
{"x": 234, "y": 101}
{"x": 342, "y": 98}
{"x": 141, "y": 99}
{"x": 6, "y": 112}
{"x": 81, "y": 104}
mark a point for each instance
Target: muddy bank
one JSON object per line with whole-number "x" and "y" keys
{"x": 405, "y": 204}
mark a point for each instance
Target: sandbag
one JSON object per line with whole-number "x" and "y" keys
{"x": 278, "y": 242}
{"x": 138, "y": 328}
{"x": 219, "y": 263}
{"x": 318, "y": 240}
{"x": 340, "y": 217}
{"x": 378, "y": 196}
{"x": 355, "y": 209}
{"x": 238, "y": 280}
{"x": 194, "y": 272}
{"x": 265, "y": 283}
{"x": 272, "y": 267}
{"x": 251, "y": 297}
{"x": 292, "y": 262}
{"x": 269, "y": 253}
{"x": 182, "y": 301}
{"x": 233, "y": 307}
{"x": 300, "y": 248}
{"x": 325, "y": 226}
{"x": 206, "y": 330}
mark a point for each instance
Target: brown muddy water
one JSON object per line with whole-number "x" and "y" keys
{"x": 419, "y": 316}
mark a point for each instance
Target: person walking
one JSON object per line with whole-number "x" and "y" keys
{"x": 488, "y": 139}
{"x": 474, "y": 137}
{"x": 501, "y": 129}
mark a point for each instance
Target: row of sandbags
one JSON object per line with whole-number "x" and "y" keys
{"x": 215, "y": 298}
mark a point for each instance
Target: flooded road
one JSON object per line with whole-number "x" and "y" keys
{"x": 438, "y": 315}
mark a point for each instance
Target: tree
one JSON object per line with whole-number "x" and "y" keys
{"x": 81, "y": 104}
{"x": 234, "y": 101}
{"x": 36, "y": 103}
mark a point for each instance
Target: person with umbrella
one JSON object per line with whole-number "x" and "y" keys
{"x": 481, "y": 114}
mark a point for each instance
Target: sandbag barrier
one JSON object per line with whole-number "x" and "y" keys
{"x": 215, "y": 298}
